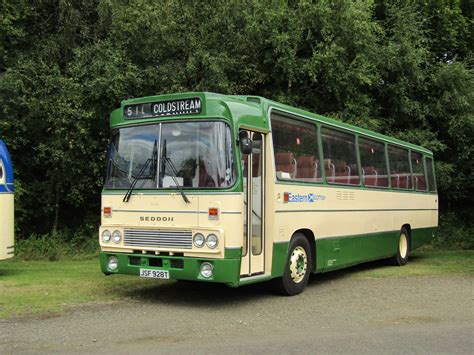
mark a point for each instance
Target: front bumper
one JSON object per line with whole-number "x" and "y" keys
{"x": 226, "y": 270}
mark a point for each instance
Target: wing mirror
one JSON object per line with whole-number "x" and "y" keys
{"x": 245, "y": 145}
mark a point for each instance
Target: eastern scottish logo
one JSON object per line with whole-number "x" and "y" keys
{"x": 289, "y": 197}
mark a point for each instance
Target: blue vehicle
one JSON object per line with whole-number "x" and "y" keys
{"x": 6, "y": 204}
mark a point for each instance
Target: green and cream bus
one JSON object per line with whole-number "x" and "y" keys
{"x": 241, "y": 189}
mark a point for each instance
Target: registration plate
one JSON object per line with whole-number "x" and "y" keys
{"x": 154, "y": 274}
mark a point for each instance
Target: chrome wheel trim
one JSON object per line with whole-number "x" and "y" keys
{"x": 298, "y": 264}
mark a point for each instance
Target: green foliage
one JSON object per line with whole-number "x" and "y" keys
{"x": 403, "y": 68}
{"x": 456, "y": 231}
{"x": 55, "y": 246}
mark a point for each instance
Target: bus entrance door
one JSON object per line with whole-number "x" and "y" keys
{"x": 253, "y": 176}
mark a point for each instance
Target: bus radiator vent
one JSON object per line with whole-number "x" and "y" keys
{"x": 179, "y": 239}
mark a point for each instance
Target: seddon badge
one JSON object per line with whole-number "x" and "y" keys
{"x": 156, "y": 219}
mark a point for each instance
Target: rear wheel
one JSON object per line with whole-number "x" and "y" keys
{"x": 403, "y": 252}
{"x": 297, "y": 268}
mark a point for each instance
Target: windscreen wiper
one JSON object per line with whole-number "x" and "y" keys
{"x": 152, "y": 160}
{"x": 174, "y": 170}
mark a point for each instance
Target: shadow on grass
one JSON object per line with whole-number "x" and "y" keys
{"x": 417, "y": 259}
{"x": 10, "y": 272}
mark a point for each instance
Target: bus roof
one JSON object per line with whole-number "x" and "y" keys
{"x": 243, "y": 110}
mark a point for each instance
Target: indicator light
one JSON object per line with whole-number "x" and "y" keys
{"x": 107, "y": 212}
{"x": 213, "y": 213}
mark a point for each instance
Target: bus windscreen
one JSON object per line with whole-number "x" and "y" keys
{"x": 190, "y": 155}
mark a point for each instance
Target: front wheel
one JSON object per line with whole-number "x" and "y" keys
{"x": 297, "y": 268}
{"x": 403, "y": 252}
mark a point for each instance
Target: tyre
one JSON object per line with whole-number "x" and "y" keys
{"x": 297, "y": 268}
{"x": 403, "y": 252}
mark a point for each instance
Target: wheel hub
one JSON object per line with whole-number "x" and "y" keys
{"x": 403, "y": 245}
{"x": 298, "y": 264}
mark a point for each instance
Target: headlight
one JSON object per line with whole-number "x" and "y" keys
{"x": 112, "y": 264}
{"x": 206, "y": 270}
{"x": 116, "y": 236}
{"x": 212, "y": 241}
{"x": 198, "y": 240}
{"x": 106, "y": 236}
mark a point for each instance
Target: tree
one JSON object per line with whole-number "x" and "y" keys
{"x": 403, "y": 68}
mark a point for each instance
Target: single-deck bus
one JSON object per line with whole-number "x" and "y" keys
{"x": 6, "y": 204}
{"x": 241, "y": 189}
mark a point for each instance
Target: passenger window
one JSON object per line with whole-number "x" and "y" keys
{"x": 418, "y": 171}
{"x": 340, "y": 161}
{"x": 373, "y": 163}
{"x": 295, "y": 146}
{"x": 430, "y": 173}
{"x": 400, "y": 174}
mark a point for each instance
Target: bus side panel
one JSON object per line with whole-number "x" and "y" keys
{"x": 421, "y": 236}
{"x": 6, "y": 226}
{"x": 338, "y": 252}
{"x": 279, "y": 255}
{"x": 350, "y": 225}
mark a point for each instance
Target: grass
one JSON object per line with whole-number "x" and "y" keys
{"x": 424, "y": 262}
{"x": 36, "y": 288}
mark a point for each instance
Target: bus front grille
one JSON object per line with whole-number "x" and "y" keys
{"x": 182, "y": 239}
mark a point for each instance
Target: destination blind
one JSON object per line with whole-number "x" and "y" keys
{"x": 163, "y": 108}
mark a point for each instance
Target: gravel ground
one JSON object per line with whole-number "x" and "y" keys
{"x": 337, "y": 313}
